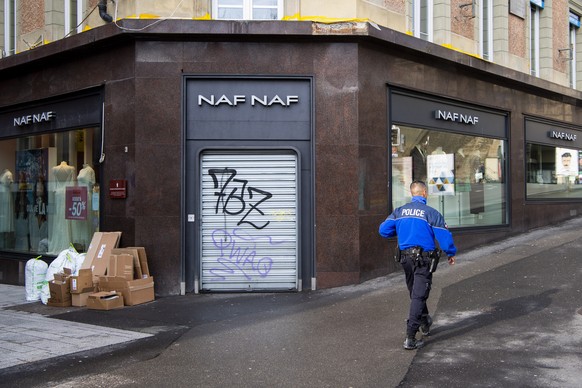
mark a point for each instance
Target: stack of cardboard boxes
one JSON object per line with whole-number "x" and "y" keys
{"x": 110, "y": 277}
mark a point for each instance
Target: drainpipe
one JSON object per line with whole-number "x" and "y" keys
{"x": 103, "y": 11}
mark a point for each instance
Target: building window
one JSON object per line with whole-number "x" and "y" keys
{"x": 247, "y": 9}
{"x": 73, "y": 18}
{"x": 49, "y": 192}
{"x": 422, "y": 15}
{"x": 9, "y": 44}
{"x": 553, "y": 172}
{"x": 486, "y": 30}
{"x": 465, "y": 174}
{"x": 534, "y": 40}
{"x": 574, "y": 26}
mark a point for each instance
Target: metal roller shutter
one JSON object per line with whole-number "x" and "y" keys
{"x": 249, "y": 220}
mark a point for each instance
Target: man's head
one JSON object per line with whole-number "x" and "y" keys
{"x": 566, "y": 158}
{"x": 418, "y": 188}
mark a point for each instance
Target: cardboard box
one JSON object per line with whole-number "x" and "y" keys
{"x": 105, "y": 300}
{"x": 80, "y": 300}
{"x": 97, "y": 257}
{"x": 137, "y": 273}
{"x": 60, "y": 287}
{"x": 61, "y": 277}
{"x": 134, "y": 291}
{"x": 51, "y": 302}
{"x": 143, "y": 261}
{"x": 121, "y": 266}
{"x": 83, "y": 282}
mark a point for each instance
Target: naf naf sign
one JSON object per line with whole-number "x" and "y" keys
{"x": 239, "y": 108}
{"x": 21, "y": 121}
{"x": 237, "y": 99}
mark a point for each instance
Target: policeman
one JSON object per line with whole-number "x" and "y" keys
{"x": 417, "y": 225}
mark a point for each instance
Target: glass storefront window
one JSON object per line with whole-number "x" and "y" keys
{"x": 49, "y": 192}
{"x": 553, "y": 172}
{"x": 465, "y": 174}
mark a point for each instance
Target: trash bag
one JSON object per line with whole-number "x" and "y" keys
{"x": 34, "y": 278}
{"x": 68, "y": 258}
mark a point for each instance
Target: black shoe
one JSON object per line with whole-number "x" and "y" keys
{"x": 425, "y": 327}
{"x": 412, "y": 343}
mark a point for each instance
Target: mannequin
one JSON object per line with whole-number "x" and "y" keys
{"x": 38, "y": 224}
{"x": 59, "y": 231}
{"x": 438, "y": 151}
{"x": 462, "y": 171}
{"x": 6, "y": 203}
{"x": 21, "y": 214}
{"x": 83, "y": 229}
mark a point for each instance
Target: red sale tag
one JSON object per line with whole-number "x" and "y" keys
{"x": 76, "y": 203}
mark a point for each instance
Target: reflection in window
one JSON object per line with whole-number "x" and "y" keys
{"x": 465, "y": 174}
{"x": 553, "y": 172}
{"x": 49, "y": 192}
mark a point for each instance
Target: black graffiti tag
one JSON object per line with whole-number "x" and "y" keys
{"x": 231, "y": 196}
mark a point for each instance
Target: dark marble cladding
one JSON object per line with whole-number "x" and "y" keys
{"x": 123, "y": 224}
{"x": 158, "y": 180}
{"x": 337, "y": 249}
{"x": 327, "y": 279}
{"x": 120, "y": 106}
{"x": 157, "y": 114}
{"x": 247, "y": 58}
{"x": 161, "y": 238}
{"x": 336, "y": 180}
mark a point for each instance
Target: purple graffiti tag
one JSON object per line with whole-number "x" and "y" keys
{"x": 238, "y": 255}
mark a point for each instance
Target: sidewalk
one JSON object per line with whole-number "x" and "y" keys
{"x": 506, "y": 315}
{"x": 28, "y": 337}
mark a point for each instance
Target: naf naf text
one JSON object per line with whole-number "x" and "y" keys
{"x": 253, "y": 100}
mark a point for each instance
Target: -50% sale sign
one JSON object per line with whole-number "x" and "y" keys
{"x": 76, "y": 203}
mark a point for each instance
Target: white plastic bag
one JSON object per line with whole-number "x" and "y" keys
{"x": 66, "y": 259}
{"x": 34, "y": 278}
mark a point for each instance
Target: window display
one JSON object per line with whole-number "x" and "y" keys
{"x": 553, "y": 172}
{"x": 46, "y": 205}
{"x": 465, "y": 174}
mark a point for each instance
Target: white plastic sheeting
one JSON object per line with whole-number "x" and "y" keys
{"x": 34, "y": 278}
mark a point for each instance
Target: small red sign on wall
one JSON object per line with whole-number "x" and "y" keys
{"x": 76, "y": 203}
{"x": 117, "y": 188}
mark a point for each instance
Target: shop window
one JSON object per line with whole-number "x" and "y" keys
{"x": 465, "y": 174}
{"x": 247, "y": 9}
{"x": 49, "y": 193}
{"x": 553, "y": 172}
{"x": 422, "y": 11}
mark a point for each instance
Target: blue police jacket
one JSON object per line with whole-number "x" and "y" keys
{"x": 417, "y": 225}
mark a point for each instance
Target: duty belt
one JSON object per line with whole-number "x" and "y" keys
{"x": 416, "y": 251}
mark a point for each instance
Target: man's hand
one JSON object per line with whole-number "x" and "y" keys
{"x": 452, "y": 260}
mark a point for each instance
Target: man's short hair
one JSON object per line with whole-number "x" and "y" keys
{"x": 417, "y": 186}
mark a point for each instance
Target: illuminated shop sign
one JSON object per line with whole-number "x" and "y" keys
{"x": 254, "y": 100}
{"x": 555, "y": 134}
{"x": 34, "y": 118}
{"x": 456, "y": 117}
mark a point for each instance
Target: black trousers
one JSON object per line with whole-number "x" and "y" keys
{"x": 419, "y": 282}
